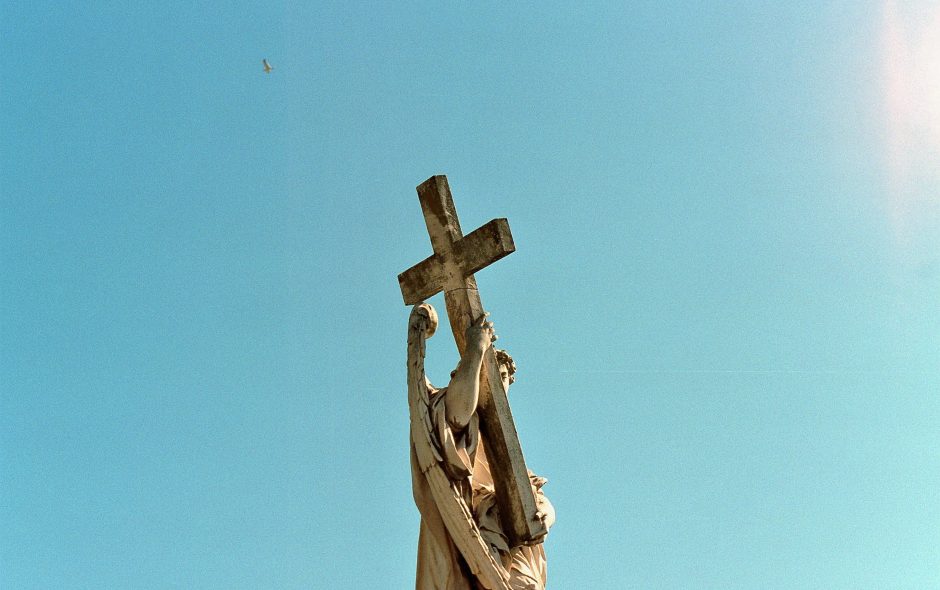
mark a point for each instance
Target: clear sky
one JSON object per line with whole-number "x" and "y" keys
{"x": 724, "y": 304}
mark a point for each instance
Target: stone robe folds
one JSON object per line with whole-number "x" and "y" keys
{"x": 461, "y": 545}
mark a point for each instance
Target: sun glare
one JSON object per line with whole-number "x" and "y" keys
{"x": 911, "y": 74}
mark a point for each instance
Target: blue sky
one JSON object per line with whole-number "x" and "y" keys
{"x": 723, "y": 303}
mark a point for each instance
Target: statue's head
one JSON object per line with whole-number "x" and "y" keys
{"x": 507, "y": 367}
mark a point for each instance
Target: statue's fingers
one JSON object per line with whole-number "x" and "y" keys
{"x": 480, "y": 321}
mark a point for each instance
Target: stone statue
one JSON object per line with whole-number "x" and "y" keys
{"x": 462, "y": 544}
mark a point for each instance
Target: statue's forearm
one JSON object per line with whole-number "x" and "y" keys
{"x": 463, "y": 392}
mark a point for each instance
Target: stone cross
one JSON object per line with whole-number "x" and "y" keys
{"x": 456, "y": 257}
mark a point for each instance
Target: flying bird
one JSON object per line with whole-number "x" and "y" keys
{"x": 267, "y": 67}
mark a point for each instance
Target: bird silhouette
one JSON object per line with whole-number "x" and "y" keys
{"x": 267, "y": 67}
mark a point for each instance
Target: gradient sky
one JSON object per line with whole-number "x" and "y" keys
{"x": 724, "y": 304}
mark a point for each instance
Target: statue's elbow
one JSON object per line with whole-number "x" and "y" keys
{"x": 458, "y": 411}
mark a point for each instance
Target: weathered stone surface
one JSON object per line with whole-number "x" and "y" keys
{"x": 451, "y": 269}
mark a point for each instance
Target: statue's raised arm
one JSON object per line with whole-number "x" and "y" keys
{"x": 464, "y": 387}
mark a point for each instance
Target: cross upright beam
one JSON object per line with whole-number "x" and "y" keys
{"x": 450, "y": 269}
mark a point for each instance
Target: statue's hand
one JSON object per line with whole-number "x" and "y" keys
{"x": 545, "y": 510}
{"x": 480, "y": 334}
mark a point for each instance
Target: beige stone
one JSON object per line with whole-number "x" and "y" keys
{"x": 462, "y": 542}
{"x": 483, "y": 514}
